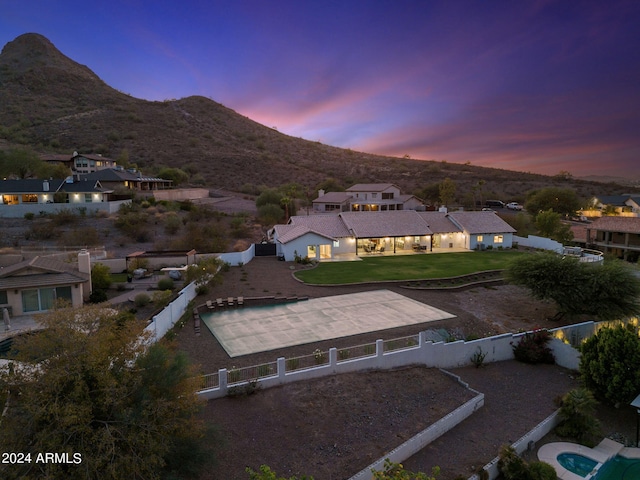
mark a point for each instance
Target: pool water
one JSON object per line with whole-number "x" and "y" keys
{"x": 619, "y": 468}
{"x": 578, "y": 464}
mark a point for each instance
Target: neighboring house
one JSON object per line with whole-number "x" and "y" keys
{"x": 625, "y": 205}
{"x": 330, "y": 236}
{"x": 33, "y": 286}
{"x": 619, "y": 236}
{"x": 81, "y": 163}
{"x": 131, "y": 179}
{"x": 366, "y": 197}
{"x": 35, "y": 196}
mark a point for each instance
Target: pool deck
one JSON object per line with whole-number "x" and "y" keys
{"x": 605, "y": 450}
{"x": 247, "y": 330}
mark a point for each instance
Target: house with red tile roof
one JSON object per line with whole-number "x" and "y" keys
{"x": 348, "y": 234}
{"x": 619, "y": 236}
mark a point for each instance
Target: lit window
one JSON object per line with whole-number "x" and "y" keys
{"x": 336, "y": 243}
{"x": 498, "y": 239}
{"x": 480, "y": 238}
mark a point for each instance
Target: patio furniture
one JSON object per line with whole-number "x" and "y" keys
{"x": 219, "y": 302}
{"x": 210, "y": 305}
{"x": 240, "y": 300}
{"x": 230, "y": 301}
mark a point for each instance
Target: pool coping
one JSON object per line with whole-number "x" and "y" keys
{"x": 605, "y": 450}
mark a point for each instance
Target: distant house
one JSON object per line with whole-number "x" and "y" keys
{"x": 366, "y": 197}
{"x": 81, "y": 162}
{"x": 19, "y": 197}
{"x": 626, "y": 205}
{"x": 33, "y": 286}
{"x": 619, "y": 236}
{"x": 332, "y": 236}
{"x": 131, "y": 179}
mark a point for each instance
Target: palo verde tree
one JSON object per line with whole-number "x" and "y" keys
{"x": 609, "y": 364}
{"x": 610, "y": 291}
{"x": 88, "y": 387}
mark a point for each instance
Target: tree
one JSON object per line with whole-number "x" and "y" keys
{"x": 447, "y": 191}
{"x": 100, "y": 277}
{"x": 22, "y": 163}
{"x": 549, "y": 225}
{"x": 564, "y": 201}
{"x": 609, "y": 292}
{"x": 88, "y": 386}
{"x": 176, "y": 175}
{"x": 609, "y": 364}
{"x": 270, "y": 214}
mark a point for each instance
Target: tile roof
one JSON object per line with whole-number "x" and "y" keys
{"x": 333, "y": 197}
{"x": 370, "y": 187}
{"x": 439, "y": 222}
{"x": 329, "y": 224}
{"x": 481, "y": 222}
{"x": 616, "y": 224}
{"x": 385, "y": 224}
{"x": 40, "y": 272}
{"x": 117, "y": 175}
{"x": 288, "y": 233}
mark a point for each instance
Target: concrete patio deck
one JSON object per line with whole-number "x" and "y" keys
{"x": 245, "y": 330}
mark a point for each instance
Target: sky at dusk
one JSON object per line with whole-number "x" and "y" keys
{"x": 539, "y": 86}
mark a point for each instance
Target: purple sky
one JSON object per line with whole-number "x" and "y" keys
{"x": 539, "y": 86}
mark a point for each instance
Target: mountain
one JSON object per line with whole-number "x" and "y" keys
{"x": 55, "y": 105}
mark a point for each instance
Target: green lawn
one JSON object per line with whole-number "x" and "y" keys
{"x": 407, "y": 267}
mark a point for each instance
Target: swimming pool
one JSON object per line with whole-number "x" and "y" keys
{"x": 619, "y": 468}
{"x": 576, "y": 463}
{"x": 608, "y": 460}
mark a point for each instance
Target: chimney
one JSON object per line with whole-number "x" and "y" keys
{"x": 45, "y": 186}
{"x": 320, "y": 193}
{"x": 84, "y": 266}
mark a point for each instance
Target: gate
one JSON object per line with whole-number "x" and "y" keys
{"x": 265, "y": 249}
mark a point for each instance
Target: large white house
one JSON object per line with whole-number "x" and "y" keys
{"x": 366, "y": 197}
{"x": 330, "y": 236}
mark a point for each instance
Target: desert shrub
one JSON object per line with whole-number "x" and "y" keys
{"x": 577, "y": 416}
{"x": 165, "y": 284}
{"x": 172, "y": 224}
{"x": 141, "y": 300}
{"x": 98, "y": 296}
{"x": 513, "y": 467}
{"x": 29, "y": 216}
{"x": 162, "y": 298}
{"x": 533, "y": 348}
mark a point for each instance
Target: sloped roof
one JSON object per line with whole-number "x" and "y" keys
{"x": 333, "y": 197}
{"x": 117, "y": 175}
{"x": 481, "y": 222}
{"x": 329, "y": 225}
{"x": 288, "y": 233}
{"x": 30, "y": 185}
{"x": 385, "y": 224}
{"x": 370, "y": 187}
{"x": 615, "y": 200}
{"x": 40, "y": 272}
{"x": 616, "y": 224}
{"x": 439, "y": 222}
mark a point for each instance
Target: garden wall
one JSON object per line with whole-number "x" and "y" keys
{"x": 396, "y": 353}
{"x": 166, "y": 319}
{"x": 538, "y": 242}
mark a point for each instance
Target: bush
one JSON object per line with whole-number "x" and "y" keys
{"x": 165, "y": 284}
{"x": 513, "y": 467}
{"x": 577, "y": 416}
{"x": 29, "y": 216}
{"x": 98, "y": 296}
{"x": 533, "y": 348}
{"x": 141, "y": 300}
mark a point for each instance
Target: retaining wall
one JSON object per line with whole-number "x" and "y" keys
{"x": 166, "y": 319}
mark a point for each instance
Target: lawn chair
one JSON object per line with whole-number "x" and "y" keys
{"x": 210, "y": 305}
{"x": 240, "y": 300}
{"x": 219, "y": 302}
{"x": 230, "y": 301}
